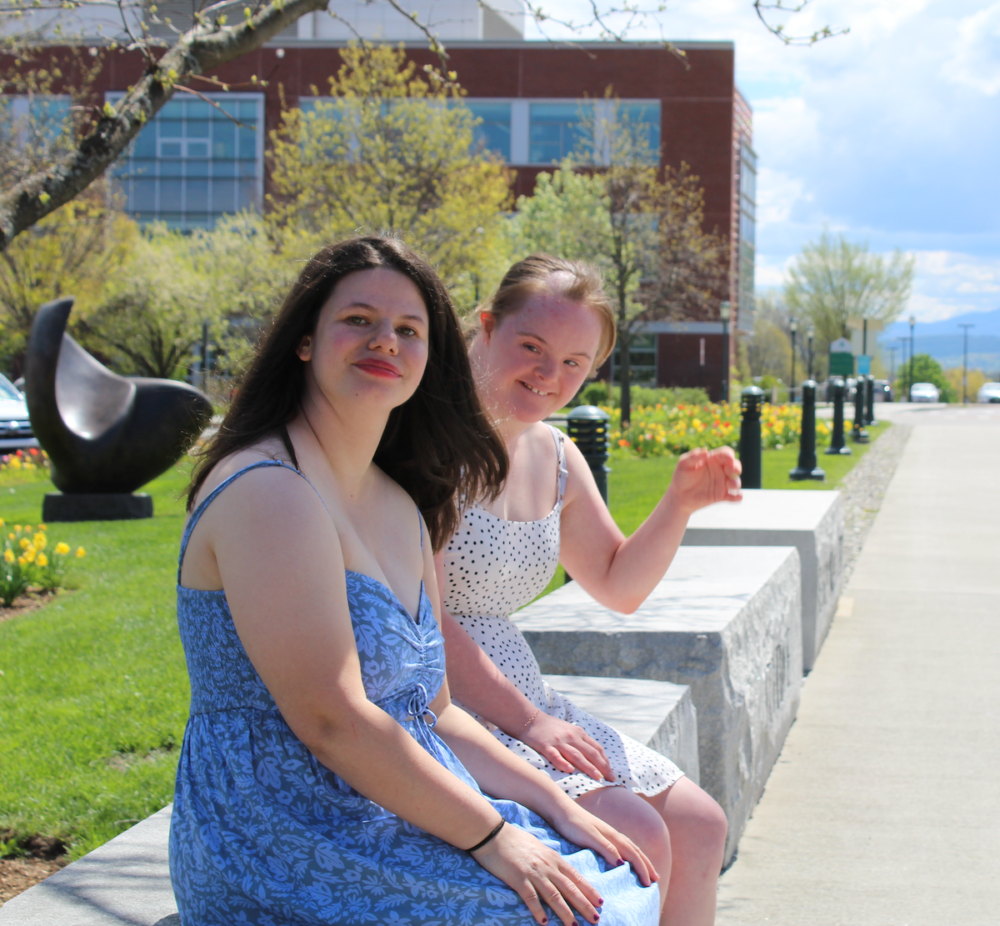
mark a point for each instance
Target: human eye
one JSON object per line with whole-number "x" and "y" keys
{"x": 532, "y": 347}
{"x": 407, "y": 332}
{"x": 356, "y": 320}
{"x": 572, "y": 363}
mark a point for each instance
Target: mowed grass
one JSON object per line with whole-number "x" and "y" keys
{"x": 94, "y": 691}
{"x": 636, "y": 485}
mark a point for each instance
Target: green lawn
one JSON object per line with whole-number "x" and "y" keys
{"x": 94, "y": 691}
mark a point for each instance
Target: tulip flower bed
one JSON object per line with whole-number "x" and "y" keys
{"x": 23, "y": 466}
{"x": 27, "y": 566}
{"x": 658, "y": 430}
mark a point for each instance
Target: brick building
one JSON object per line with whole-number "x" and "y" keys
{"x": 192, "y": 163}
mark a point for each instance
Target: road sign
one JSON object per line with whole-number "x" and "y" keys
{"x": 864, "y": 365}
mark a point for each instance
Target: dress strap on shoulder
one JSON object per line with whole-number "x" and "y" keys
{"x": 200, "y": 510}
{"x": 559, "y": 437}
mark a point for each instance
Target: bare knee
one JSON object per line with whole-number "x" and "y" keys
{"x": 697, "y": 824}
{"x": 635, "y": 818}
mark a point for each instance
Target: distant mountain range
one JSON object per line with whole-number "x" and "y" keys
{"x": 943, "y": 340}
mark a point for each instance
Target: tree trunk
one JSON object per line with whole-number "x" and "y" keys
{"x": 625, "y": 376}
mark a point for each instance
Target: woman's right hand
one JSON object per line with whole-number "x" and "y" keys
{"x": 567, "y": 747}
{"x": 539, "y": 875}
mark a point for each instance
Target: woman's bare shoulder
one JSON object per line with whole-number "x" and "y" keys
{"x": 270, "y": 449}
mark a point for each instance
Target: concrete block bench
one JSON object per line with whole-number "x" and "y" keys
{"x": 728, "y": 624}
{"x": 127, "y": 880}
{"x": 123, "y": 883}
{"x": 812, "y": 522}
{"x": 660, "y": 715}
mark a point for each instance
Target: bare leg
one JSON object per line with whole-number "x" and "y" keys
{"x": 683, "y": 831}
{"x": 628, "y": 813}
{"x": 697, "y": 827}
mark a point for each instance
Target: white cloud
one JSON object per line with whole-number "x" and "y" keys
{"x": 778, "y": 193}
{"x": 976, "y": 61}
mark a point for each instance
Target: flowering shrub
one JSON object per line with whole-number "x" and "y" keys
{"x": 24, "y": 466}
{"x": 26, "y": 564}
{"x": 656, "y": 430}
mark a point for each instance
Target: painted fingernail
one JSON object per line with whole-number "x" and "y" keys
{"x": 620, "y": 861}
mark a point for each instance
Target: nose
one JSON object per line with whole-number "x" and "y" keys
{"x": 546, "y": 367}
{"x": 384, "y": 338}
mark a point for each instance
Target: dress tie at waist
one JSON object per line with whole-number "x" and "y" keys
{"x": 418, "y": 706}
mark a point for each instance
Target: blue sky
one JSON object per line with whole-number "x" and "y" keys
{"x": 889, "y": 135}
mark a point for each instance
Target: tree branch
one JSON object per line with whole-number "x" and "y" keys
{"x": 202, "y": 48}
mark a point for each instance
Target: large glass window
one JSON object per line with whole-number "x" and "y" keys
{"x": 644, "y": 120}
{"x": 555, "y": 130}
{"x": 30, "y": 119}
{"x": 195, "y": 162}
{"x": 642, "y": 361}
{"x": 494, "y": 130}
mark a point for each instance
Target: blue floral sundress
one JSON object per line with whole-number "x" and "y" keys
{"x": 263, "y": 834}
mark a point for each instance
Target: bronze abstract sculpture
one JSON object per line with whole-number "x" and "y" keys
{"x": 106, "y": 435}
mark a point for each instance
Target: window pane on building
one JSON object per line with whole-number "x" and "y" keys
{"x": 555, "y": 130}
{"x": 644, "y": 120}
{"x": 642, "y": 361}
{"x": 494, "y": 130}
{"x": 192, "y": 163}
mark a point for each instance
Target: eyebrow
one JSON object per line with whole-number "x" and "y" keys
{"x": 365, "y": 305}
{"x": 538, "y": 337}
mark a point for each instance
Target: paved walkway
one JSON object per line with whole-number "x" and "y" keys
{"x": 884, "y": 808}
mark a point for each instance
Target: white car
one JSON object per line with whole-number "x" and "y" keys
{"x": 924, "y": 392}
{"x": 15, "y": 425}
{"x": 989, "y": 392}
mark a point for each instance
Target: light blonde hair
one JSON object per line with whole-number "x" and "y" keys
{"x": 539, "y": 273}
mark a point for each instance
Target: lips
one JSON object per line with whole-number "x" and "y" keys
{"x": 380, "y": 368}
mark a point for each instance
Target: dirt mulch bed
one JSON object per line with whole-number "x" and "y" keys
{"x": 43, "y": 856}
{"x": 29, "y": 601}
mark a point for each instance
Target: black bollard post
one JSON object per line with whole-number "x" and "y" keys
{"x": 837, "y": 439}
{"x": 869, "y": 399}
{"x": 858, "y": 433}
{"x": 588, "y": 428}
{"x": 751, "y": 403}
{"x": 808, "y": 467}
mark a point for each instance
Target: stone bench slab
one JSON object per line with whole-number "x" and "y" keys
{"x": 726, "y": 623}
{"x": 812, "y": 522}
{"x": 660, "y": 715}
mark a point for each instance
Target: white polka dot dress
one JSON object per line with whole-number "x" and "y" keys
{"x": 492, "y": 567}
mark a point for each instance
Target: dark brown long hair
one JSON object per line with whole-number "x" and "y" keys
{"x": 439, "y": 445}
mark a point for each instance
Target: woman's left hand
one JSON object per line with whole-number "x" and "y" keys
{"x": 574, "y": 823}
{"x": 703, "y": 477}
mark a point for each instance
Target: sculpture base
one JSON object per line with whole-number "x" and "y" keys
{"x": 96, "y": 506}
{"x": 797, "y": 474}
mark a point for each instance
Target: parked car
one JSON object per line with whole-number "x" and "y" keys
{"x": 15, "y": 425}
{"x": 883, "y": 391}
{"x": 924, "y": 392}
{"x": 989, "y": 392}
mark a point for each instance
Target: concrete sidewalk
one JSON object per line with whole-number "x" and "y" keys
{"x": 884, "y": 807}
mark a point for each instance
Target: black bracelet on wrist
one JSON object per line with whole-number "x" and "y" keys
{"x": 492, "y": 835}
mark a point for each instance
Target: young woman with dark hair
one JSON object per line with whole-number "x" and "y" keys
{"x": 325, "y": 777}
{"x": 545, "y": 329}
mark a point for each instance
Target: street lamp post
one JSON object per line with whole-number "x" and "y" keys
{"x": 913, "y": 322}
{"x": 725, "y": 309}
{"x": 810, "y": 334}
{"x": 965, "y": 360}
{"x": 892, "y": 369}
{"x": 794, "y": 326}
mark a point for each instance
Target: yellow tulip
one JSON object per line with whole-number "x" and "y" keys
{"x": 22, "y": 562}
{"x": 11, "y": 536}
{"x": 27, "y": 528}
{"x": 42, "y": 560}
{"x": 25, "y": 543}
{"x": 41, "y": 527}
{"x": 17, "y": 527}
{"x": 62, "y": 548}
{"x": 30, "y": 554}
{"x": 8, "y": 555}
{"x": 39, "y": 540}
{"x": 80, "y": 552}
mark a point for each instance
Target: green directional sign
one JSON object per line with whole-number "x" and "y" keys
{"x": 841, "y": 358}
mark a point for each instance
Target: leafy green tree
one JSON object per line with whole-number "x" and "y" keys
{"x": 834, "y": 281}
{"x": 392, "y": 150}
{"x": 769, "y": 348}
{"x": 925, "y": 370}
{"x": 643, "y": 231}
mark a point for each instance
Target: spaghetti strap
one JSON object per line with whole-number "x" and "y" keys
{"x": 420, "y": 521}
{"x": 559, "y": 437}
{"x": 200, "y": 510}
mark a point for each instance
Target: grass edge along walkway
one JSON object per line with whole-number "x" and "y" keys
{"x": 94, "y": 691}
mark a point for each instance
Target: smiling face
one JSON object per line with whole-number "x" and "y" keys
{"x": 533, "y": 362}
{"x": 370, "y": 342}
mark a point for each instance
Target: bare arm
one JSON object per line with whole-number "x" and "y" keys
{"x": 620, "y": 572}
{"x": 479, "y": 685}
